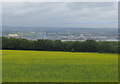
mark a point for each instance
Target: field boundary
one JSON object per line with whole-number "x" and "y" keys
{"x": 60, "y": 83}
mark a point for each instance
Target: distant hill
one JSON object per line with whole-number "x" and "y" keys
{"x": 60, "y": 29}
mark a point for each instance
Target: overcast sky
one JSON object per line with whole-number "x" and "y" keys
{"x": 61, "y": 14}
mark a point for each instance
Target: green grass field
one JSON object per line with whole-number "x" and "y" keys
{"x": 49, "y": 66}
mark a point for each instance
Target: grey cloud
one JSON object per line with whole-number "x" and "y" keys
{"x": 93, "y": 14}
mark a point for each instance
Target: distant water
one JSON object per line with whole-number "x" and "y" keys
{"x": 96, "y": 40}
{"x": 112, "y": 40}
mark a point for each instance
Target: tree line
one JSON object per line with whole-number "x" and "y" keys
{"x": 58, "y": 45}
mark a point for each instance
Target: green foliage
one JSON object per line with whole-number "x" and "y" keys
{"x": 58, "y": 45}
{"x": 110, "y": 47}
{"x": 90, "y": 46}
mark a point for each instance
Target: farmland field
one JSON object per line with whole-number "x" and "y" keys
{"x": 52, "y": 66}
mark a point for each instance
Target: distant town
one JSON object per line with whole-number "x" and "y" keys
{"x": 63, "y": 36}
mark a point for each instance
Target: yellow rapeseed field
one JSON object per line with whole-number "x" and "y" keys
{"x": 53, "y": 66}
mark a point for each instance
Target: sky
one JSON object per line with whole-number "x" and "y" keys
{"x": 60, "y": 14}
